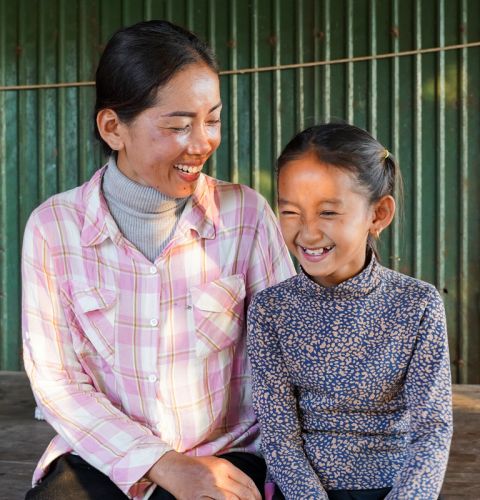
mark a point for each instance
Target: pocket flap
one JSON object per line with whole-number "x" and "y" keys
{"x": 219, "y": 295}
{"x": 92, "y": 298}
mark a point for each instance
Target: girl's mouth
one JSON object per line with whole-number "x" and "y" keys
{"x": 316, "y": 254}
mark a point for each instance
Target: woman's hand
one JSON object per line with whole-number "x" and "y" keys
{"x": 189, "y": 478}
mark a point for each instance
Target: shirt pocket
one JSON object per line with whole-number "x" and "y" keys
{"x": 219, "y": 313}
{"x": 95, "y": 311}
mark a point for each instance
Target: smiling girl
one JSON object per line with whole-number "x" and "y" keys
{"x": 351, "y": 374}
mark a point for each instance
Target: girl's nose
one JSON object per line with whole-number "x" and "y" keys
{"x": 310, "y": 231}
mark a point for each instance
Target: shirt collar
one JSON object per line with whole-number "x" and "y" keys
{"x": 357, "y": 287}
{"x": 200, "y": 214}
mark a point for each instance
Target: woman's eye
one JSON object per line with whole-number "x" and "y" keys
{"x": 213, "y": 123}
{"x": 328, "y": 213}
{"x": 179, "y": 129}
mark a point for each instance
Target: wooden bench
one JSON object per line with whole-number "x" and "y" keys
{"x": 23, "y": 439}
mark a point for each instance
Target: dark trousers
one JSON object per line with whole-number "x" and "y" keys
{"x": 71, "y": 478}
{"x": 377, "y": 494}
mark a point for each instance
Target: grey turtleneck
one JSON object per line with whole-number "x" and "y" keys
{"x": 145, "y": 216}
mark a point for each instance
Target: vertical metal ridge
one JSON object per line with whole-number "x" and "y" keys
{"x": 4, "y": 333}
{"x": 299, "y": 74}
{"x": 233, "y": 87}
{"x": 462, "y": 316}
{"x": 316, "y": 56}
{"x": 277, "y": 94}
{"x": 169, "y": 10}
{"x": 395, "y": 240}
{"x": 41, "y": 107}
{"x": 147, "y": 10}
{"x": 440, "y": 254}
{"x": 255, "y": 112}
{"x": 190, "y": 16}
{"x": 372, "y": 72}
{"x": 327, "y": 71}
{"x": 213, "y": 162}
{"x": 349, "y": 81}
{"x": 82, "y": 101}
{"x": 417, "y": 147}
{"x": 61, "y": 101}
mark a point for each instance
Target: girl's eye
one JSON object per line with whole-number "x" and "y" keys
{"x": 213, "y": 123}
{"x": 180, "y": 129}
{"x": 287, "y": 212}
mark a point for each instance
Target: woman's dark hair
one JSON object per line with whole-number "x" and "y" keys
{"x": 353, "y": 150}
{"x": 140, "y": 59}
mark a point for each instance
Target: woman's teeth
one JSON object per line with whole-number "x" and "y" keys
{"x": 188, "y": 169}
{"x": 318, "y": 251}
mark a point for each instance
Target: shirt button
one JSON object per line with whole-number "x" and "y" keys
{"x": 153, "y": 270}
{"x": 154, "y": 322}
{"x": 152, "y": 378}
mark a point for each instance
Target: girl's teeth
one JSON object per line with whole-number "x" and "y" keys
{"x": 188, "y": 169}
{"x": 320, "y": 251}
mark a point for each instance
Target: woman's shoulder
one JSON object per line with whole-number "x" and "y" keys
{"x": 230, "y": 192}
{"x": 64, "y": 208}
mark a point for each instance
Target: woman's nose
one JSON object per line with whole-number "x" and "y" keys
{"x": 199, "y": 142}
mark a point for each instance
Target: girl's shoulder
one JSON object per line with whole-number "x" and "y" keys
{"x": 278, "y": 296}
{"x": 409, "y": 289}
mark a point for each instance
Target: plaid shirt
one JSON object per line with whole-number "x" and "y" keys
{"x": 129, "y": 359}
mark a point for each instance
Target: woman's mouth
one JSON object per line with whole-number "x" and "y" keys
{"x": 188, "y": 173}
{"x": 189, "y": 169}
{"x": 315, "y": 254}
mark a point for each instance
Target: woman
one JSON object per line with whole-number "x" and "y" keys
{"x": 135, "y": 287}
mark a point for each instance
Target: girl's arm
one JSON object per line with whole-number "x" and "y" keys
{"x": 275, "y": 405}
{"x": 428, "y": 396}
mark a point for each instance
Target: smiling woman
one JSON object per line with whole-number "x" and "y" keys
{"x": 135, "y": 287}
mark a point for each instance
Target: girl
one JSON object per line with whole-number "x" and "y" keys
{"x": 350, "y": 361}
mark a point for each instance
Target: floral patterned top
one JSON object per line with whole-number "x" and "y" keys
{"x": 351, "y": 384}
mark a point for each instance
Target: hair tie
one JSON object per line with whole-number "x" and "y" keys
{"x": 386, "y": 154}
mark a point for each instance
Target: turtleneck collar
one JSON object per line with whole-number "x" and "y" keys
{"x": 123, "y": 191}
{"x": 354, "y": 288}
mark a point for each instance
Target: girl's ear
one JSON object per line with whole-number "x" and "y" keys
{"x": 383, "y": 212}
{"x": 110, "y": 128}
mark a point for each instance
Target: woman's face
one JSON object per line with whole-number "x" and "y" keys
{"x": 166, "y": 146}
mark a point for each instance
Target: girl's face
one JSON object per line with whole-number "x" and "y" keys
{"x": 325, "y": 219}
{"x": 166, "y": 146}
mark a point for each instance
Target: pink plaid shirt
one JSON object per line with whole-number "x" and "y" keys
{"x": 129, "y": 359}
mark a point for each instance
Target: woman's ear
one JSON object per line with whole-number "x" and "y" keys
{"x": 383, "y": 212}
{"x": 110, "y": 128}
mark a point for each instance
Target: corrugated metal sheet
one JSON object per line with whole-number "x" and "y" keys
{"x": 425, "y": 108}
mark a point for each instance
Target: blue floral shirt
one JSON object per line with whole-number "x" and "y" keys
{"x": 352, "y": 385}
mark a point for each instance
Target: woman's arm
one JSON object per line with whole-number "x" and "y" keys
{"x": 82, "y": 415}
{"x": 428, "y": 396}
{"x": 276, "y": 408}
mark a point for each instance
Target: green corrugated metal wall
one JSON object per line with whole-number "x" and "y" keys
{"x": 425, "y": 108}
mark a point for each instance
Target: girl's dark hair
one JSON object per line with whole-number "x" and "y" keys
{"x": 353, "y": 150}
{"x": 140, "y": 59}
